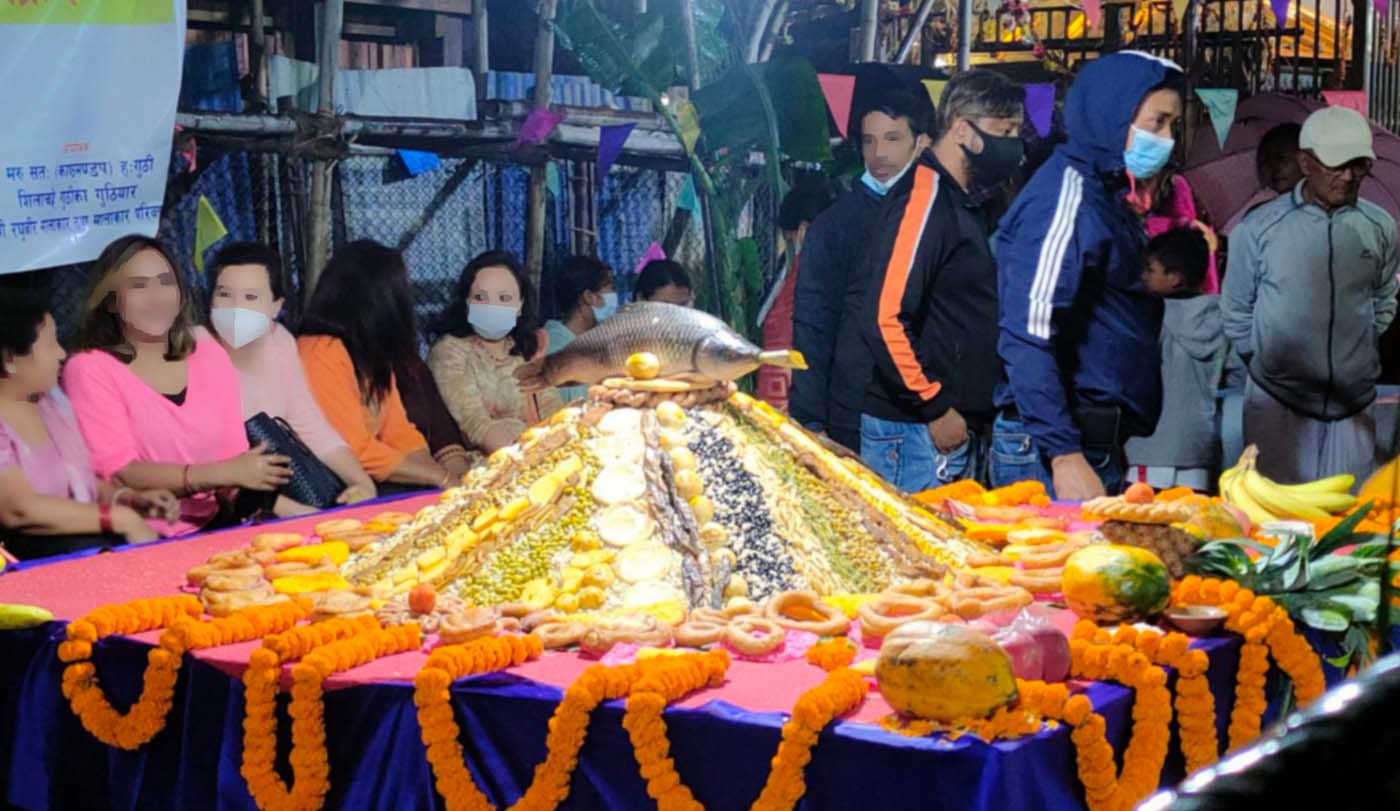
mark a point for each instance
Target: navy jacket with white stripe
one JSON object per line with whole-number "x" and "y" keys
{"x": 1076, "y": 326}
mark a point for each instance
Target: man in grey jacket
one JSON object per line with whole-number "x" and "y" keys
{"x": 1310, "y": 288}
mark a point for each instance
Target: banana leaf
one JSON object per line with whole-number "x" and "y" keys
{"x": 1223, "y": 558}
{"x": 1334, "y": 572}
{"x": 1331, "y": 618}
{"x": 639, "y": 63}
{"x": 1341, "y": 534}
{"x": 734, "y": 114}
{"x": 751, "y": 274}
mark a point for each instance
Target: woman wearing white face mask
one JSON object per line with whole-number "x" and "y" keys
{"x": 489, "y": 331}
{"x": 583, "y": 291}
{"x": 156, "y": 398}
{"x": 245, "y": 299}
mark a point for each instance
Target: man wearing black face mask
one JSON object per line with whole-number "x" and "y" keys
{"x": 928, "y": 314}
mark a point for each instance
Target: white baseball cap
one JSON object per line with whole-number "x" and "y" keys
{"x": 1337, "y": 136}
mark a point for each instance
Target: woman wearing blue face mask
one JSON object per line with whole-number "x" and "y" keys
{"x": 488, "y": 331}
{"x": 583, "y": 291}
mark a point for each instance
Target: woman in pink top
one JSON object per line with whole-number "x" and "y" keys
{"x": 1176, "y": 207}
{"x": 156, "y": 398}
{"x": 47, "y": 486}
{"x": 247, "y": 296}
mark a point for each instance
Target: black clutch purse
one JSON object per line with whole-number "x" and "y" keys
{"x": 312, "y": 483}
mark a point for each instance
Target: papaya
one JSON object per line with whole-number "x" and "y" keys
{"x": 944, "y": 672}
{"x": 1110, "y": 583}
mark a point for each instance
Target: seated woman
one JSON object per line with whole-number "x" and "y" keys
{"x": 246, "y": 297}
{"x": 358, "y": 325}
{"x": 157, "y": 399}
{"x": 489, "y": 331}
{"x": 665, "y": 281}
{"x": 50, "y": 500}
{"x": 583, "y": 290}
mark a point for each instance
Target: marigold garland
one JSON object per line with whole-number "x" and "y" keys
{"x": 325, "y": 649}
{"x": 183, "y": 632}
{"x": 1267, "y": 629}
{"x": 829, "y": 654}
{"x": 667, "y": 679}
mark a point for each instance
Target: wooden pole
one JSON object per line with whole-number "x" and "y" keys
{"x": 964, "y": 34}
{"x": 544, "y": 73}
{"x": 914, "y": 32}
{"x": 332, "y": 20}
{"x": 257, "y": 52}
{"x": 481, "y": 46}
{"x": 869, "y": 29}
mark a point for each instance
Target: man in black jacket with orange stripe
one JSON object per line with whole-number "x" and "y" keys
{"x": 928, "y": 312}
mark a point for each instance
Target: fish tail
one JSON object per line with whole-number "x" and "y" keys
{"x": 785, "y": 358}
{"x": 531, "y": 376}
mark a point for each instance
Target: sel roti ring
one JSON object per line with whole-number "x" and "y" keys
{"x": 834, "y": 622}
{"x": 740, "y": 635}
{"x": 887, "y": 612}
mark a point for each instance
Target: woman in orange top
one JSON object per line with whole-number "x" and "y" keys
{"x": 358, "y": 323}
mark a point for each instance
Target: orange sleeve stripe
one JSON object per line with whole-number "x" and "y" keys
{"x": 906, "y": 248}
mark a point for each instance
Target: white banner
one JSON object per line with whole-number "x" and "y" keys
{"x": 88, "y": 90}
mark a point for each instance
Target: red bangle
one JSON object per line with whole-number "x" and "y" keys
{"x": 104, "y": 518}
{"x": 185, "y": 481}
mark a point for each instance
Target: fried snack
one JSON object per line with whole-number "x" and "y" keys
{"x": 298, "y": 568}
{"x": 359, "y": 539}
{"x": 696, "y": 633}
{"x": 979, "y": 601}
{"x": 559, "y": 634}
{"x": 277, "y": 541}
{"x": 468, "y": 624}
{"x": 1115, "y": 508}
{"x": 392, "y": 518}
{"x": 740, "y": 635}
{"x": 338, "y": 526}
{"x": 713, "y": 615}
{"x": 922, "y": 587}
{"x": 235, "y": 579}
{"x": 644, "y": 632}
{"x": 1045, "y": 557}
{"x": 231, "y": 558}
{"x": 334, "y": 604}
{"x": 741, "y": 606}
{"x": 805, "y": 611}
{"x": 890, "y": 610}
{"x": 223, "y": 603}
{"x": 200, "y": 574}
{"x": 1039, "y": 581}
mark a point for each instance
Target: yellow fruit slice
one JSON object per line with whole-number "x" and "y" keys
{"x": 570, "y": 579}
{"x": 585, "y": 541}
{"x": 671, "y": 612}
{"x": 404, "y": 575}
{"x": 704, "y": 509}
{"x": 485, "y": 520}
{"x": 682, "y": 459}
{"x": 515, "y": 509}
{"x": 568, "y": 603}
{"x": 590, "y": 597}
{"x": 622, "y": 525}
{"x": 643, "y": 365}
{"x": 1034, "y": 536}
{"x": 460, "y": 540}
{"x": 434, "y": 572}
{"x": 538, "y": 595}
{"x": 304, "y": 584}
{"x": 337, "y": 551}
{"x": 642, "y": 562}
{"x": 431, "y": 558}
{"x": 600, "y": 575}
{"x": 617, "y": 484}
{"x": 592, "y": 558}
{"x": 567, "y": 467}
{"x": 1001, "y": 574}
{"x": 688, "y": 484}
{"x": 670, "y": 415}
{"x": 545, "y": 489}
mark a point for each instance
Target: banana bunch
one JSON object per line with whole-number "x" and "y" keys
{"x": 1264, "y": 500}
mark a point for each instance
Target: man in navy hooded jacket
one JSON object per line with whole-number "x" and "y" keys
{"x": 1078, "y": 327}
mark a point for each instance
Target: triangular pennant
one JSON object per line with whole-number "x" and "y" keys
{"x": 1040, "y": 107}
{"x": 1220, "y": 103}
{"x": 1351, "y": 99}
{"x": 687, "y": 199}
{"x": 418, "y": 162}
{"x": 551, "y": 180}
{"x": 1179, "y": 9}
{"x": 688, "y": 121}
{"x": 839, "y": 90}
{"x": 1382, "y": 8}
{"x": 1093, "y": 11}
{"x": 208, "y": 229}
{"x": 610, "y": 141}
{"x": 935, "y": 89}
{"x": 1280, "y": 8}
{"x": 654, "y": 252}
{"x": 538, "y": 125}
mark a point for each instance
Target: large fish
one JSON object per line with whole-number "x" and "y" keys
{"x": 689, "y": 343}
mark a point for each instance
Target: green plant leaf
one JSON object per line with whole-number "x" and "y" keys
{"x": 1340, "y": 535}
{"x": 639, "y": 62}
{"x": 1362, "y": 608}
{"x": 1334, "y": 571}
{"x": 1327, "y": 619}
{"x": 734, "y": 110}
{"x": 1370, "y": 550}
{"x": 1224, "y": 558}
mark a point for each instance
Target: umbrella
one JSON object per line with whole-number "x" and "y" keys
{"x": 1224, "y": 179}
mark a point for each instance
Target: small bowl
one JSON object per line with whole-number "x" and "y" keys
{"x": 1197, "y": 620}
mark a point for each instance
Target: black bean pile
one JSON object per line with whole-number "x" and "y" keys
{"x": 763, "y": 559}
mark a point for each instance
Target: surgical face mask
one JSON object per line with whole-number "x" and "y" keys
{"x": 491, "y": 321}
{"x": 609, "y": 307}
{"x": 882, "y": 188}
{"x": 999, "y": 159}
{"x": 239, "y": 326}
{"x": 1147, "y": 154}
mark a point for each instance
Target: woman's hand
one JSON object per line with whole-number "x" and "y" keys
{"x": 259, "y": 470}
{"x": 130, "y": 525}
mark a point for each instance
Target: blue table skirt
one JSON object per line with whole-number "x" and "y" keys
{"x": 47, "y": 760}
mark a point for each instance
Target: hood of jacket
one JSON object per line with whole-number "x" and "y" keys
{"x": 1103, "y": 101}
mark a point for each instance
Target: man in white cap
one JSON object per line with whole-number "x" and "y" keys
{"x": 1310, "y": 287}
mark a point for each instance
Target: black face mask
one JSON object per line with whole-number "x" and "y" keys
{"x": 999, "y": 159}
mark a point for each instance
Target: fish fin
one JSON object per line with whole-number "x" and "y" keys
{"x": 785, "y": 358}
{"x": 531, "y": 376}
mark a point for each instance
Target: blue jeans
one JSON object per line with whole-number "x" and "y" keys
{"x": 904, "y": 455}
{"x": 1016, "y": 458}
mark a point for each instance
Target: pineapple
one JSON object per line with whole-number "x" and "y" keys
{"x": 1173, "y": 543}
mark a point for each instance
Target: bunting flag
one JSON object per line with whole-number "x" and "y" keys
{"x": 687, "y": 199}
{"x": 1280, "y": 8}
{"x": 1351, "y": 99}
{"x": 1040, "y": 107}
{"x": 208, "y": 230}
{"x": 538, "y": 125}
{"x": 839, "y": 90}
{"x": 610, "y": 141}
{"x": 418, "y": 162}
{"x": 688, "y": 120}
{"x": 1382, "y": 8}
{"x": 654, "y": 252}
{"x": 935, "y": 89}
{"x": 551, "y": 180}
{"x": 1179, "y": 9}
{"x": 1220, "y": 103}
{"x": 1093, "y": 11}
